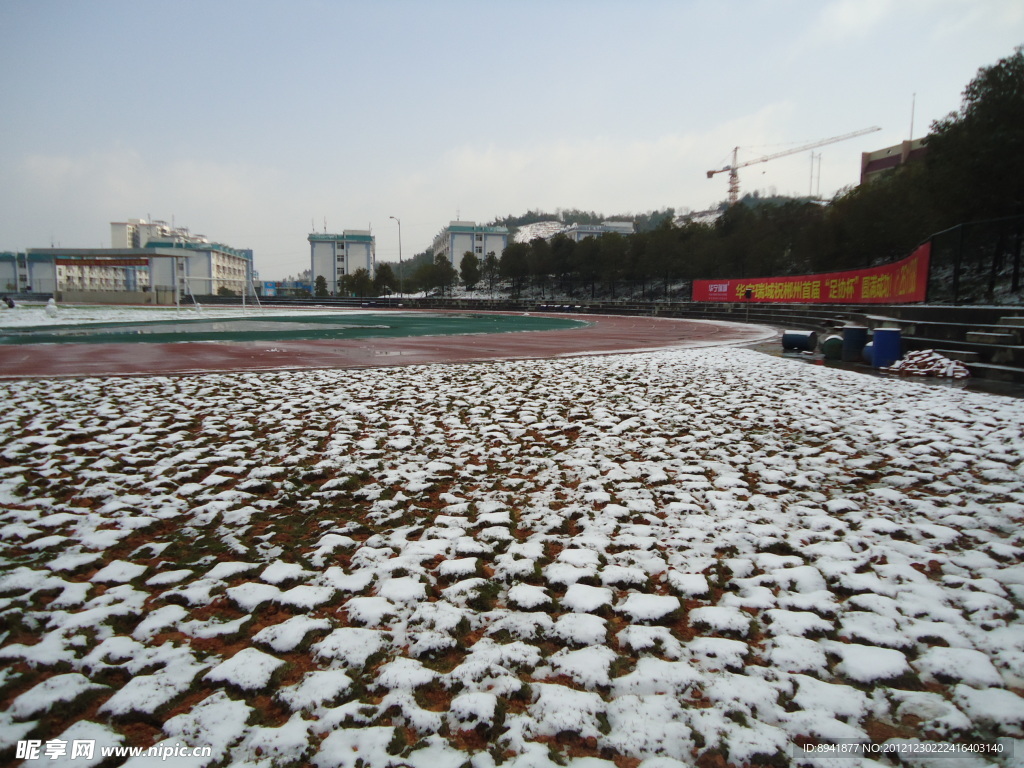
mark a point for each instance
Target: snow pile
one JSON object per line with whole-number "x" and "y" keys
{"x": 662, "y": 558}
{"x": 928, "y": 362}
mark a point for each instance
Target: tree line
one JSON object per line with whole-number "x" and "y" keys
{"x": 973, "y": 170}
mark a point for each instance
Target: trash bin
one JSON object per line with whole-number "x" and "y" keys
{"x": 866, "y": 354}
{"x": 832, "y": 347}
{"x": 887, "y": 347}
{"x": 801, "y": 341}
{"x": 854, "y": 339}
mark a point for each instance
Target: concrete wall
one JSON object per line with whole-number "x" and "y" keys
{"x": 42, "y": 276}
{"x": 495, "y": 243}
{"x": 8, "y": 276}
{"x": 156, "y": 297}
{"x": 322, "y": 263}
{"x": 359, "y": 256}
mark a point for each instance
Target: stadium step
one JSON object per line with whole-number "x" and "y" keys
{"x": 963, "y": 355}
{"x": 986, "y": 337}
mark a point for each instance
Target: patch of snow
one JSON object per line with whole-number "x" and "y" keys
{"x": 249, "y": 669}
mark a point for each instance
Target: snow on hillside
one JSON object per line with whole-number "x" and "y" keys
{"x": 707, "y": 217}
{"x": 542, "y": 229}
{"x": 664, "y": 557}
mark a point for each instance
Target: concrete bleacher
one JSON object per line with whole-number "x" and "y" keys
{"x": 986, "y": 339}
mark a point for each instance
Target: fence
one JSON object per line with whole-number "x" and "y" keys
{"x": 977, "y": 263}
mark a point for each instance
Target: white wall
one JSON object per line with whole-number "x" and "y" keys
{"x": 494, "y": 243}
{"x": 461, "y": 242}
{"x": 161, "y": 273}
{"x": 8, "y": 276}
{"x": 42, "y": 276}
{"x": 360, "y": 256}
{"x": 120, "y": 235}
{"x": 322, "y": 263}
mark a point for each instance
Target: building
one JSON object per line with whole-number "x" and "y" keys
{"x": 289, "y": 288}
{"x": 94, "y": 269}
{"x": 204, "y": 269}
{"x": 17, "y": 271}
{"x": 577, "y": 232}
{"x": 882, "y": 162}
{"x": 148, "y": 262}
{"x": 135, "y": 233}
{"x": 460, "y": 237}
{"x": 334, "y": 256}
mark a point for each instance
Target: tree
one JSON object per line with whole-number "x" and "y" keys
{"x": 444, "y": 273}
{"x": 976, "y": 156}
{"x": 539, "y": 263}
{"x": 514, "y": 265}
{"x": 469, "y": 270}
{"x": 423, "y": 279}
{"x": 320, "y": 286}
{"x": 561, "y": 259}
{"x": 360, "y": 283}
{"x": 384, "y": 280}
{"x": 489, "y": 271}
{"x": 611, "y": 250}
{"x": 585, "y": 262}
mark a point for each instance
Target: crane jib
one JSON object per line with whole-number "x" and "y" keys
{"x": 733, "y": 181}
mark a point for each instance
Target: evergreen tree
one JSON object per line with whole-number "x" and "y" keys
{"x": 384, "y": 280}
{"x": 514, "y": 265}
{"x": 469, "y": 270}
{"x": 490, "y": 271}
{"x": 361, "y": 283}
{"x": 976, "y": 156}
{"x": 444, "y": 273}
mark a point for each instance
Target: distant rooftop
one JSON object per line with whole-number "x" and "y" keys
{"x": 472, "y": 226}
{"x": 349, "y": 234}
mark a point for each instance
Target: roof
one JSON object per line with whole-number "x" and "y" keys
{"x": 324, "y": 237}
{"x": 475, "y": 228}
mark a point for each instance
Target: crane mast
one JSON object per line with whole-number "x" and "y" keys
{"x": 734, "y": 178}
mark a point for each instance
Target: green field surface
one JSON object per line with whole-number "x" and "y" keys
{"x": 347, "y": 326}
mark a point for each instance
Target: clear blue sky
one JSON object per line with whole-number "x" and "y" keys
{"x": 249, "y": 121}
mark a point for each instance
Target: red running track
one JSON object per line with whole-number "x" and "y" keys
{"x": 603, "y": 335}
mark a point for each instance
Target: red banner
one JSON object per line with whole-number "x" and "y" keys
{"x": 897, "y": 283}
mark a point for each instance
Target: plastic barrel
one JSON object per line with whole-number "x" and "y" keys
{"x": 832, "y": 347}
{"x": 854, "y": 339}
{"x": 866, "y": 354}
{"x": 802, "y": 341}
{"x": 887, "y": 348}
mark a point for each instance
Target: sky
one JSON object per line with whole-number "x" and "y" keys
{"x": 256, "y": 122}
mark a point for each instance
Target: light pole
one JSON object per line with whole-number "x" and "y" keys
{"x": 401, "y": 273}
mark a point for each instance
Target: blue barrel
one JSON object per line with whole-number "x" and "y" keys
{"x": 887, "y": 348}
{"x": 867, "y": 352}
{"x": 832, "y": 347}
{"x": 854, "y": 339}
{"x": 801, "y": 341}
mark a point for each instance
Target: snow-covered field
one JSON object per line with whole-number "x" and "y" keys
{"x": 700, "y": 556}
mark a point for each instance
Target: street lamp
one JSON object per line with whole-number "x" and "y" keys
{"x": 401, "y": 273}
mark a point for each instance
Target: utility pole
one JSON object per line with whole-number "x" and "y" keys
{"x": 401, "y": 272}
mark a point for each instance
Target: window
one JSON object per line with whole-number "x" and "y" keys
{"x": 479, "y": 238}
{"x": 479, "y": 249}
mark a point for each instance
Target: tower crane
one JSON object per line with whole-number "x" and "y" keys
{"x": 734, "y": 179}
